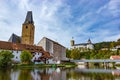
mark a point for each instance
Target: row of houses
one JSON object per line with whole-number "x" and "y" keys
{"x": 16, "y": 49}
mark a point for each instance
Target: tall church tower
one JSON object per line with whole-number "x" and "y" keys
{"x": 28, "y": 29}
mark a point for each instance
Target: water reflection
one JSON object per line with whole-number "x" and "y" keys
{"x": 78, "y": 73}
{"x": 4, "y": 73}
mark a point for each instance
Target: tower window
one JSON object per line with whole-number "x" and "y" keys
{"x": 26, "y": 27}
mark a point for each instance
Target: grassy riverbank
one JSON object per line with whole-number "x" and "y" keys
{"x": 65, "y": 65}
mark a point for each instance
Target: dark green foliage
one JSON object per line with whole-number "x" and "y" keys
{"x": 99, "y": 46}
{"x": 5, "y": 58}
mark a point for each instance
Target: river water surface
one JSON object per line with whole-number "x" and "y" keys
{"x": 78, "y": 73}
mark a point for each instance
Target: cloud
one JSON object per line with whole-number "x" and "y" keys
{"x": 111, "y": 8}
{"x": 60, "y": 20}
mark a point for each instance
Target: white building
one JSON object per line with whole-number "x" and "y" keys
{"x": 82, "y": 46}
{"x": 56, "y": 50}
{"x": 37, "y": 51}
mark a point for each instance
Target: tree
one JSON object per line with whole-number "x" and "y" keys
{"x": 75, "y": 54}
{"x": 118, "y": 40}
{"x": 68, "y": 53}
{"x": 26, "y": 57}
{"x": 5, "y": 58}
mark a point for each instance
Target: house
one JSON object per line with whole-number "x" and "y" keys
{"x": 56, "y": 50}
{"x": 115, "y": 57}
{"x": 16, "y": 49}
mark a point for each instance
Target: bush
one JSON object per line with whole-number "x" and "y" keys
{"x": 26, "y": 57}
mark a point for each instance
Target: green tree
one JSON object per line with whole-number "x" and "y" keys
{"x": 112, "y": 44}
{"x": 75, "y": 54}
{"x": 6, "y": 58}
{"x": 68, "y": 53}
{"x": 26, "y": 57}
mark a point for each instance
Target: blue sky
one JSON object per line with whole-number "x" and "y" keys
{"x": 60, "y": 20}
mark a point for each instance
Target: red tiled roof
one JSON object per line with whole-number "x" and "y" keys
{"x": 115, "y": 57}
{"x": 17, "y": 46}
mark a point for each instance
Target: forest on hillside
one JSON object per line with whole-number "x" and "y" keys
{"x": 97, "y": 53}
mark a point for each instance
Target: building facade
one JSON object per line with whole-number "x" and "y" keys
{"x": 56, "y": 50}
{"x": 16, "y": 49}
{"x": 28, "y": 29}
{"x": 82, "y": 46}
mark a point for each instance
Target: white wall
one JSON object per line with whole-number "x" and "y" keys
{"x": 16, "y": 55}
{"x": 36, "y": 56}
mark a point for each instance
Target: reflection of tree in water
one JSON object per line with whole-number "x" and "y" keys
{"x": 25, "y": 74}
{"x": 6, "y": 75}
{"x": 91, "y": 76}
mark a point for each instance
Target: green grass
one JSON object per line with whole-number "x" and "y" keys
{"x": 66, "y": 65}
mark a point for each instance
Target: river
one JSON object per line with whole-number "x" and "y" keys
{"x": 78, "y": 73}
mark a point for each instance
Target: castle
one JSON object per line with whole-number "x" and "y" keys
{"x": 82, "y": 46}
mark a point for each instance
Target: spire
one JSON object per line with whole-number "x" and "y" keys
{"x": 29, "y": 18}
{"x": 89, "y": 41}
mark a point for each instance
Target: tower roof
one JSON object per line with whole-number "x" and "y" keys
{"x": 89, "y": 41}
{"x": 29, "y": 18}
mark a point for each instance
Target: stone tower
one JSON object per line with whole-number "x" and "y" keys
{"x": 28, "y": 29}
{"x": 72, "y": 42}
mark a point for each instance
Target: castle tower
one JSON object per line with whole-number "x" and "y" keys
{"x": 28, "y": 29}
{"x": 72, "y": 42}
{"x": 89, "y": 41}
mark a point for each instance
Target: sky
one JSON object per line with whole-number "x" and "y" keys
{"x": 60, "y": 20}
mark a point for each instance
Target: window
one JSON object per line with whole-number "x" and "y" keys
{"x": 26, "y": 27}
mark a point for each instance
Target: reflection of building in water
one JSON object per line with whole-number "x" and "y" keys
{"x": 15, "y": 74}
{"x": 49, "y": 74}
{"x": 44, "y": 76}
{"x": 58, "y": 74}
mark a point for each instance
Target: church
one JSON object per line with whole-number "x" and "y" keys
{"x": 16, "y": 44}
